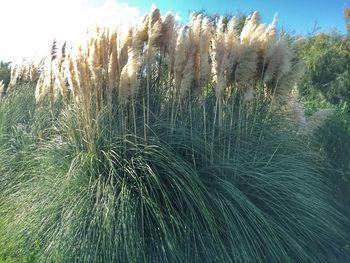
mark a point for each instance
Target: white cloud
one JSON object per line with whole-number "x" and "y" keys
{"x": 27, "y": 27}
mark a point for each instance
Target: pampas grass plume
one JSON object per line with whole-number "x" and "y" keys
{"x": 181, "y": 56}
{"x": 14, "y": 76}
{"x": 204, "y": 47}
{"x": 252, "y": 22}
{"x": 39, "y": 88}
{"x": 246, "y": 70}
{"x": 279, "y": 61}
{"x": 2, "y": 88}
{"x": 73, "y": 77}
{"x": 167, "y": 32}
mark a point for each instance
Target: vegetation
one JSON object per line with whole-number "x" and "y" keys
{"x": 165, "y": 143}
{"x": 5, "y": 76}
{"x": 325, "y": 84}
{"x": 327, "y": 61}
{"x": 334, "y": 138}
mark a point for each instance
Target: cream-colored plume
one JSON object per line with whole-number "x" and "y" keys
{"x": 158, "y": 53}
{"x": 182, "y": 51}
{"x": 2, "y": 88}
{"x": 204, "y": 55}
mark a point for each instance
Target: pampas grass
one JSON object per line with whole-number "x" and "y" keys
{"x": 256, "y": 54}
{"x": 166, "y": 143}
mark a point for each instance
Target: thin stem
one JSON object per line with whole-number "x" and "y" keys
{"x": 214, "y": 124}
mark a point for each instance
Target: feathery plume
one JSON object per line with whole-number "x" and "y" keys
{"x": 170, "y": 40}
{"x": 73, "y": 77}
{"x": 167, "y": 32}
{"x": 14, "y": 76}
{"x": 195, "y": 34}
{"x": 60, "y": 84}
{"x": 143, "y": 28}
{"x": 154, "y": 39}
{"x": 2, "y": 88}
{"x": 188, "y": 76}
{"x": 296, "y": 108}
{"x": 39, "y": 88}
{"x": 287, "y": 82}
{"x": 113, "y": 68}
{"x": 118, "y": 58}
{"x": 249, "y": 94}
{"x": 95, "y": 62}
{"x": 45, "y": 85}
{"x": 181, "y": 56}
{"x": 124, "y": 41}
{"x": 271, "y": 30}
{"x": 251, "y": 24}
{"x": 34, "y": 72}
{"x": 154, "y": 33}
{"x": 132, "y": 68}
{"x": 246, "y": 68}
{"x": 298, "y": 43}
{"x": 54, "y": 50}
{"x": 219, "y": 58}
{"x": 232, "y": 49}
{"x": 82, "y": 72}
{"x": 154, "y": 16}
{"x": 278, "y": 61}
{"x": 204, "y": 47}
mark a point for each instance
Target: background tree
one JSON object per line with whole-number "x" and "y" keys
{"x": 326, "y": 57}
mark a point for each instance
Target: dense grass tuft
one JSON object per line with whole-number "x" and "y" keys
{"x": 175, "y": 196}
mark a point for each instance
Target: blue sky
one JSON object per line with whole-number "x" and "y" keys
{"x": 29, "y": 30}
{"x": 298, "y": 15}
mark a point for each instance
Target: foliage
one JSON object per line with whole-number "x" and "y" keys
{"x": 327, "y": 74}
{"x": 313, "y": 101}
{"x": 326, "y": 84}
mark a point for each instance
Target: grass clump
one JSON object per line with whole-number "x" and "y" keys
{"x": 137, "y": 154}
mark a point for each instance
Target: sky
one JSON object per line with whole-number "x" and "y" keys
{"x": 28, "y": 27}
